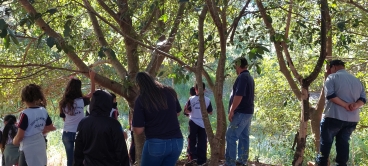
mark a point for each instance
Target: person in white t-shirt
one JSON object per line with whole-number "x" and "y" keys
{"x": 71, "y": 109}
{"x": 34, "y": 121}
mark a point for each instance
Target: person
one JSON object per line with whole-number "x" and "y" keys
{"x": 100, "y": 140}
{"x": 155, "y": 113}
{"x": 344, "y": 94}
{"x": 34, "y": 121}
{"x": 71, "y": 110}
{"x": 114, "y": 113}
{"x": 197, "y": 138}
{"x": 10, "y": 151}
{"x": 241, "y": 108}
{"x": 192, "y": 92}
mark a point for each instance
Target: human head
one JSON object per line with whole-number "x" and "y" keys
{"x": 240, "y": 64}
{"x": 32, "y": 94}
{"x": 336, "y": 65}
{"x": 150, "y": 92}
{"x": 196, "y": 87}
{"x": 100, "y": 103}
{"x": 74, "y": 89}
{"x": 192, "y": 91}
{"x": 11, "y": 119}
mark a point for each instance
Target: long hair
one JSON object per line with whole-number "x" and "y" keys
{"x": 73, "y": 90}
{"x": 32, "y": 93}
{"x": 151, "y": 92}
{"x": 10, "y": 126}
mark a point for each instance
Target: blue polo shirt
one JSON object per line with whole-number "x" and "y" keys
{"x": 349, "y": 89}
{"x": 243, "y": 86}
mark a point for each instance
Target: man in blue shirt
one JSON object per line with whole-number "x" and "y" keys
{"x": 345, "y": 94}
{"x": 241, "y": 108}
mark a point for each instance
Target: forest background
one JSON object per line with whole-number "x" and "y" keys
{"x": 287, "y": 43}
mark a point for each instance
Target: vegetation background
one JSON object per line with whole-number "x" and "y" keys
{"x": 181, "y": 41}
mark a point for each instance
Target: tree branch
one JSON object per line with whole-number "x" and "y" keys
{"x": 103, "y": 81}
{"x": 356, "y": 5}
{"x": 280, "y": 58}
{"x": 119, "y": 68}
{"x": 235, "y": 23}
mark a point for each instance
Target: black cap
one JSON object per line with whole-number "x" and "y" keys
{"x": 337, "y": 62}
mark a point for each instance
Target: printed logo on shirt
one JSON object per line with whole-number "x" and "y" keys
{"x": 41, "y": 124}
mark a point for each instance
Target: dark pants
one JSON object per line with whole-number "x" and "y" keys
{"x": 22, "y": 159}
{"x": 197, "y": 141}
{"x": 132, "y": 150}
{"x": 341, "y": 130}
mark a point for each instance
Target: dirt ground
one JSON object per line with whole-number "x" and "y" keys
{"x": 250, "y": 163}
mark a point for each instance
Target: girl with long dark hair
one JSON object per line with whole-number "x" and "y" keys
{"x": 71, "y": 110}
{"x": 155, "y": 113}
{"x": 34, "y": 121}
{"x": 10, "y": 151}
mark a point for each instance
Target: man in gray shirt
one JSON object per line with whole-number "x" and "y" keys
{"x": 345, "y": 94}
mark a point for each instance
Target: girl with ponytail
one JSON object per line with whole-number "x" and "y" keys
{"x": 10, "y": 151}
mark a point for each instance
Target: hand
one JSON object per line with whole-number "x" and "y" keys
{"x": 92, "y": 74}
{"x": 353, "y": 106}
{"x": 347, "y": 107}
{"x": 231, "y": 114}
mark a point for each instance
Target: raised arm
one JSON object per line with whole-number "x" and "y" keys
{"x": 93, "y": 86}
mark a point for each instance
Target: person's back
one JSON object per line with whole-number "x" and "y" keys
{"x": 348, "y": 88}
{"x": 100, "y": 140}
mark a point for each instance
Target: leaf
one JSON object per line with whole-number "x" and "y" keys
{"x": 31, "y": 1}
{"x": 209, "y": 38}
{"x": 160, "y": 74}
{"x": 3, "y": 24}
{"x": 269, "y": 18}
{"x": 3, "y": 33}
{"x": 181, "y": 1}
{"x": 67, "y": 29}
{"x": 285, "y": 103}
{"x": 50, "y": 42}
{"x": 341, "y": 25}
{"x": 252, "y": 55}
{"x": 163, "y": 18}
{"x": 13, "y": 37}
{"x": 259, "y": 70}
{"x": 101, "y": 54}
{"x": 23, "y": 21}
{"x": 259, "y": 56}
{"x": 58, "y": 46}
{"x": 6, "y": 41}
{"x": 112, "y": 52}
{"x": 39, "y": 40}
{"x": 69, "y": 16}
{"x": 37, "y": 16}
{"x": 52, "y": 11}
{"x": 263, "y": 48}
{"x": 301, "y": 24}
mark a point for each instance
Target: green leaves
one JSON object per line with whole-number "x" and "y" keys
{"x": 67, "y": 29}
{"x": 163, "y": 18}
{"x": 51, "y": 11}
{"x": 13, "y": 37}
{"x": 50, "y": 42}
{"x": 102, "y": 51}
{"x": 341, "y": 25}
{"x": 3, "y": 24}
{"x": 6, "y": 41}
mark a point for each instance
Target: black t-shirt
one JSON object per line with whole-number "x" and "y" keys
{"x": 161, "y": 124}
{"x": 244, "y": 86}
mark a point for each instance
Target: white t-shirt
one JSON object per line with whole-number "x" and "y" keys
{"x": 71, "y": 121}
{"x": 195, "y": 114}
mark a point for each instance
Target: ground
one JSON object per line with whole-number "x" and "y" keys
{"x": 250, "y": 163}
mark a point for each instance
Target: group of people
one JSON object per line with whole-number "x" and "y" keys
{"x": 96, "y": 137}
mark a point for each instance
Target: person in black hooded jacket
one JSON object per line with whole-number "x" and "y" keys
{"x": 100, "y": 140}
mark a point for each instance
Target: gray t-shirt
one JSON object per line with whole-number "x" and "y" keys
{"x": 71, "y": 121}
{"x": 349, "y": 89}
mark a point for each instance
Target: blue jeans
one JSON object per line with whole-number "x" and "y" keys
{"x": 163, "y": 152}
{"x": 238, "y": 130}
{"x": 68, "y": 141}
{"x": 342, "y": 130}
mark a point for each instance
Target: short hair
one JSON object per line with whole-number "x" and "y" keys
{"x": 192, "y": 91}
{"x": 204, "y": 86}
{"x": 241, "y": 62}
{"x": 337, "y": 62}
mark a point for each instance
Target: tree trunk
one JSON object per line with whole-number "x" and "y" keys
{"x": 302, "y": 134}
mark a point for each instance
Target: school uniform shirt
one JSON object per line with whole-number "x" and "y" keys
{"x": 194, "y": 107}
{"x": 71, "y": 121}
{"x": 33, "y": 120}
